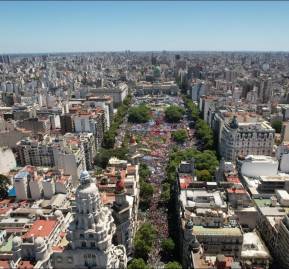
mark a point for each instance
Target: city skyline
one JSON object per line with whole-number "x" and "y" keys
{"x": 55, "y": 27}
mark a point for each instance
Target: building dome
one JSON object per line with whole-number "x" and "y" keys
{"x": 85, "y": 177}
{"x": 58, "y": 214}
{"x": 189, "y": 225}
{"x": 39, "y": 242}
{"x": 119, "y": 187}
{"x": 39, "y": 212}
{"x": 234, "y": 123}
{"x": 195, "y": 245}
{"x": 16, "y": 242}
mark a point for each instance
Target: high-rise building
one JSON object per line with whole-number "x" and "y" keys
{"x": 90, "y": 233}
{"x": 66, "y": 123}
{"x": 91, "y": 122}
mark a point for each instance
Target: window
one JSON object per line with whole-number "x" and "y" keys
{"x": 92, "y": 245}
{"x": 81, "y": 236}
{"x": 69, "y": 259}
{"x": 90, "y": 236}
{"x": 83, "y": 244}
{"x": 59, "y": 259}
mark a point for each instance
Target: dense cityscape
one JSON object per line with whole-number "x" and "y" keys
{"x": 144, "y": 160}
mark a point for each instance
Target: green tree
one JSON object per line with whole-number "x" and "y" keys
{"x": 109, "y": 135}
{"x": 180, "y": 136}
{"x": 4, "y": 184}
{"x": 204, "y": 175}
{"x": 192, "y": 108}
{"x": 204, "y": 133}
{"x": 205, "y": 160}
{"x": 141, "y": 249}
{"x": 168, "y": 245}
{"x": 203, "y": 130}
{"x": 166, "y": 193}
{"x": 143, "y": 241}
{"x": 277, "y": 125}
{"x": 144, "y": 171}
{"x": 137, "y": 264}
{"x": 103, "y": 156}
{"x": 146, "y": 190}
{"x": 139, "y": 114}
{"x": 174, "y": 114}
{"x": 173, "y": 265}
{"x": 108, "y": 139}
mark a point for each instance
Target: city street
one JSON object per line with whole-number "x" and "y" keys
{"x": 155, "y": 137}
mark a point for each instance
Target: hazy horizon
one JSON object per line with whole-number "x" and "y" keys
{"x": 72, "y": 27}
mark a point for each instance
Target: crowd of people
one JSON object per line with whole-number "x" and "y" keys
{"x": 155, "y": 137}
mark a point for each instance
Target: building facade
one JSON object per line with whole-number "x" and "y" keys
{"x": 90, "y": 233}
{"x": 246, "y": 139}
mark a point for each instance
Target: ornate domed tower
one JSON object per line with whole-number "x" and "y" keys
{"x": 234, "y": 123}
{"x": 16, "y": 247}
{"x": 190, "y": 243}
{"x": 122, "y": 216}
{"x": 40, "y": 249}
{"x": 90, "y": 234}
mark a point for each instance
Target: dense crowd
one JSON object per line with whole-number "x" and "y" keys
{"x": 155, "y": 136}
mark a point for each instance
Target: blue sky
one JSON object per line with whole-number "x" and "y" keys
{"x": 106, "y": 26}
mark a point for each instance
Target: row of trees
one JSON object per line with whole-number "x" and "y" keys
{"x": 103, "y": 156}
{"x": 140, "y": 264}
{"x": 109, "y": 135}
{"x": 143, "y": 241}
{"x": 4, "y": 185}
{"x": 277, "y": 125}
{"x": 205, "y": 163}
{"x": 203, "y": 131}
{"x": 192, "y": 108}
{"x": 107, "y": 151}
{"x": 139, "y": 114}
{"x": 205, "y": 134}
{"x": 146, "y": 188}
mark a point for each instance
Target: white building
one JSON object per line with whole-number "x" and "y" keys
{"x": 90, "y": 234}
{"x": 34, "y": 248}
{"x": 117, "y": 93}
{"x": 254, "y": 166}
{"x": 242, "y": 139}
{"x": 36, "y": 188}
{"x": 48, "y": 187}
{"x": 282, "y": 154}
{"x": 71, "y": 160}
{"x": 21, "y": 185}
{"x": 255, "y": 251}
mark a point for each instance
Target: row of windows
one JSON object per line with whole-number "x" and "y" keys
{"x": 91, "y": 245}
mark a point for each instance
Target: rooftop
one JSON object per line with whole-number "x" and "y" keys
{"x": 7, "y": 246}
{"x": 253, "y": 247}
{"x": 41, "y": 228}
{"x": 222, "y": 231}
{"x": 201, "y": 198}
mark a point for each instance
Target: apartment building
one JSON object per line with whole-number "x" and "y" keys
{"x": 32, "y": 183}
{"x": 32, "y": 152}
{"x": 91, "y": 121}
{"x": 60, "y": 152}
{"x": 36, "y": 125}
{"x": 118, "y": 93}
{"x": 245, "y": 138}
{"x": 119, "y": 187}
{"x": 273, "y": 225}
